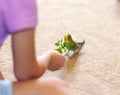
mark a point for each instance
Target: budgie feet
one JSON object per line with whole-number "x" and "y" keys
{"x": 71, "y": 54}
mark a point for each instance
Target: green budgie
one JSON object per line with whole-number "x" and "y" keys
{"x": 72, "y": 45}
{"x": 68, "y": 46}
{"x": 69, "y": 43}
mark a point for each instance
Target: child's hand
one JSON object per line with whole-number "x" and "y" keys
{"x": 51, "y": 60}
{"x": 56, "y": 61}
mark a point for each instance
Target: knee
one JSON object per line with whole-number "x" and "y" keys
{"x": 51, "y": 86}
{"x": 54, "y": 82}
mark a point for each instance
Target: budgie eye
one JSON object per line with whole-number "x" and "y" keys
{"x": 69, "y": 39}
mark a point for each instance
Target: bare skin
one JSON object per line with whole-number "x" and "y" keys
{"x": 51, "y": 86}
{"x": 1, "y": 76}
{"x": 28, "y": 68}
{"x": 26, "y": 65}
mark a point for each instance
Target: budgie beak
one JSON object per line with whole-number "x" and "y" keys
{"x": 65, "y": 38}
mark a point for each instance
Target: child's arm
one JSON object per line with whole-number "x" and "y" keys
{"x": 26, "y": 66}
{"x": 25, "y": 63}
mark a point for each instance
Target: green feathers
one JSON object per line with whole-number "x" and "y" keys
{"x": 69, "y": 43}
{"x": 64, "y": 46}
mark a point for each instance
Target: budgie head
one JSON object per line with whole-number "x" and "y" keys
{"x": 68, "y": 38}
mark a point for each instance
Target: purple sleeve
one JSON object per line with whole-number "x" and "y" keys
{"x": 20, "y": 14}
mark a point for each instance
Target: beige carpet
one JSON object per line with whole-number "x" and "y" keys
{"x": 96, "y": 70}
